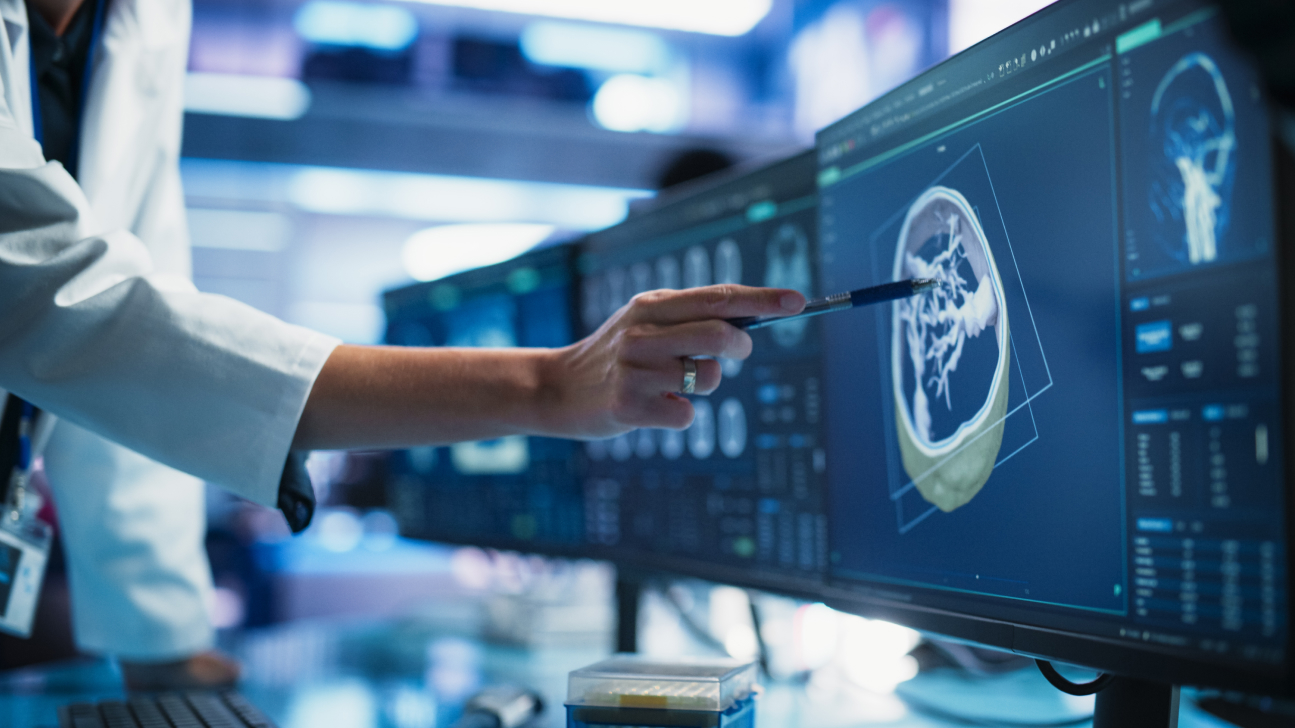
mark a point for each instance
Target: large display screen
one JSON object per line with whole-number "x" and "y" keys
{"x": 511, "y": 492}
{"x": 741, "y": 489}
{"x": 1080, "y": 427}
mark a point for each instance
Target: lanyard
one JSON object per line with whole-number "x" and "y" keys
{"x": 38, "y": 129}
{"x": 17, "y": 489}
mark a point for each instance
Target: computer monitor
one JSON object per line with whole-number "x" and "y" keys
{"x": 1076, "y": 446}
{"x": 522, "y": 493}
{"x": 737, "y": 497}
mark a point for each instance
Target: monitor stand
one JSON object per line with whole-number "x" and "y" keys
{"x": 629, "y": 589}
{"x": 1130, "y": 703}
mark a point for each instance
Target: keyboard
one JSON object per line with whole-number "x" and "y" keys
{"x": 199, "y": 709}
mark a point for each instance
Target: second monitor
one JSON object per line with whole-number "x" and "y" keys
{"x": 738, "y": 496}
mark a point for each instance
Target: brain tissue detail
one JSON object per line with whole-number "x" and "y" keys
{"x": 949, "y": 351}
{"x": 940, "y": 321}
{"x": 1193, "y": 128}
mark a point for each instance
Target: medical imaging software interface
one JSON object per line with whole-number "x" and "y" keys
{"x": 511, "y": 492}
{"x": 1079, "y": 427}
{"x": 742, "y": 486}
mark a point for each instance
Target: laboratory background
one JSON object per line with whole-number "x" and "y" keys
{"x": 335, "y": 150}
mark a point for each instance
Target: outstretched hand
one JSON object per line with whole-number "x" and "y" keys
{"x": 627, "y": 374}
{"x": 621, "y": 377}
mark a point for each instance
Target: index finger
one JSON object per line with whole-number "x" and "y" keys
{"x": 713, "y": 302}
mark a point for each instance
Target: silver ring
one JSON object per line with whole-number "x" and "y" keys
{"x": 689, "y": 376}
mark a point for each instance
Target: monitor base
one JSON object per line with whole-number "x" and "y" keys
{"x": 1130, "y": 703}
{"x": 629, "y": 590}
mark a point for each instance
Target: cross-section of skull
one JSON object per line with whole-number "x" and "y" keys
{"x": 949, "y": 352}
{"x": 1193, "y": 125}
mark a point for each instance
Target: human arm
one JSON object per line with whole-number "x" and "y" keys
{"x": 621, "y": 377}
{"x": 90, "y": 332}
{"x": 215, "y": 388}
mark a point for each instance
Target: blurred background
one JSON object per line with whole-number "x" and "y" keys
{"x": 334, "y": 149}
{"x": 330, "y": 143}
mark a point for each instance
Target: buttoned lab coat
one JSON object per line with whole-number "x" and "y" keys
{"x": 100, "y": 326}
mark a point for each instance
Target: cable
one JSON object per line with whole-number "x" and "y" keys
{"x": 702, "y": 634}
{"x": 1073, "y": 688}
{"x": 933, "y": 711}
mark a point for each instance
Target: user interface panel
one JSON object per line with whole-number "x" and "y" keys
{"x": 742, "y": 487}
{"x": 1079, "y": 428}
{"x": 514, "y": 492}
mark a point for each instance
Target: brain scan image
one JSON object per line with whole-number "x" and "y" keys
{"x": 618, "y": 292}
{"x": 592, "y": 310}
{"x": 696, "y": 268}
{"x": 488, "y": 324}
{"x": 728, "y": 262}
{"x": 731, "y": 425}
{"x": 645, "y": 445}
{"x": 622, "y": 448}
{"x": 421, "y": 459}
{"x": 640, "y": 278}
{"x": 503, "y": 456}
{"x": 949, "y": 351}
{"x": 1193, "y": 133}
{"x": 701, "y": 434}
{"x": 667, "y": 272}
{"x": 787, "y": 265}
{"x": 672, "y": 444}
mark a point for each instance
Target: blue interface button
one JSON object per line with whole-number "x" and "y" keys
{"x": 1139, "y": 304}
{"x": 767, "y": 442}
{"x": 1150, "y": 417}
{"x": 1159, "y": 525}
{"x": 796, "y": 441}
{"x": 1155, "y": 336}
{"x": 768, "y": 393}
{"x": 1212, "y": 412}
{"x": 770, "y": 505}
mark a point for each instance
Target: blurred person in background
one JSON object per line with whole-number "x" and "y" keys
{"x": 158, "y": 387}
{"x": 692, "y": 164}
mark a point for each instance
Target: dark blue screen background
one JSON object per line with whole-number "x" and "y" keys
{"x": 1048, "y": 165}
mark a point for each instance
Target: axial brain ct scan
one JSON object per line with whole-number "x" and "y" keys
{"x": 1080, "y": 416}
{"x": 949, "y": 451}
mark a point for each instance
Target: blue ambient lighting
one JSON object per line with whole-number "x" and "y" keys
{"x": 333, "y": 22}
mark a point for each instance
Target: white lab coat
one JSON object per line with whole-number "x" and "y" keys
{"x": 100, "y": 326}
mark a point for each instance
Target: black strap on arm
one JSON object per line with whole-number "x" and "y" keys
{"x": 12, "y": 409}
{"x": 296, "y": 494}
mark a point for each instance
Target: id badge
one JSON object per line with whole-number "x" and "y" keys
{"x": 24, "y": 551}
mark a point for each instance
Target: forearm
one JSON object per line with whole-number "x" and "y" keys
{"x": 621, "y": 377}
{"x": 378, "y": 397}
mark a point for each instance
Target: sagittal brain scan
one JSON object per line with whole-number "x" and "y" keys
{"x": 1192, "y": 178}
{"x": 728, "y": 262}
{"x": 732, "y": 427}
{"x": 701, "y": 435}
{"x": 950, "y": 353}
{"x": 1193, "y": 129}
{"x": 667, "y": 272}
{"x": 696, "y": 267}
{"x": 787, "y": 266}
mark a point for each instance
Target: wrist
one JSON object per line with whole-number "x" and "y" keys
{"x": 549, "y": 399}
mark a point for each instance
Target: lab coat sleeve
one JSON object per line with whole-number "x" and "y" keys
{"x": 89, "y": 332}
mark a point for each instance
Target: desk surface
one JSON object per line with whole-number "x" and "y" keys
{"x": 410, "y": 674}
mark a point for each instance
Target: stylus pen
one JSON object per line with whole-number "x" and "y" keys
{"x": 843, "y": 301}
